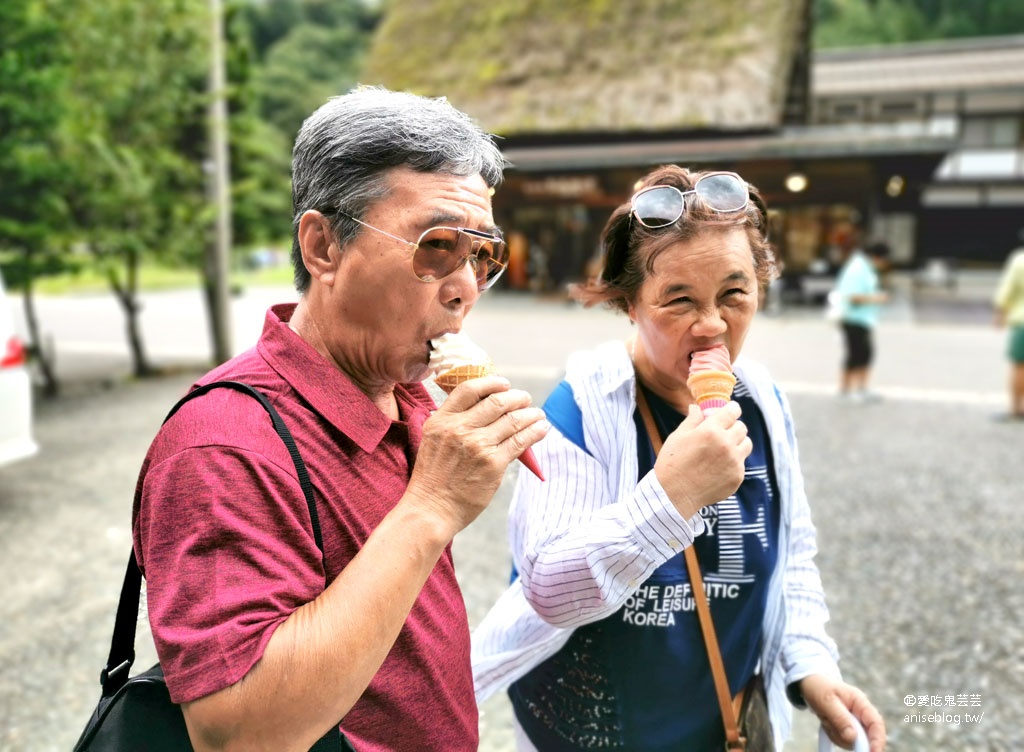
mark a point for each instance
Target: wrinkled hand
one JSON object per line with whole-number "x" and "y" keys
{"x": 468, "y": 443}
{"x": 833, "y": 700}
{"x": 701, "y": 462}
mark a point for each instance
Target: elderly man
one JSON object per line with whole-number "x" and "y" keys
{"x": 394, "y": 242}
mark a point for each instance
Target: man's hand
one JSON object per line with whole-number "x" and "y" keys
{"x": 468, "y": 443}
{"x": 701, "y": 462}
{"x": 833, "y": 700}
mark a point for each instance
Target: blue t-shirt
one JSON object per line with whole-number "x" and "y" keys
{"x": 640, "y": 679}
{"x": 858, "y": 277}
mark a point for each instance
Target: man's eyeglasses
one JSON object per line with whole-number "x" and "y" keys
{"x": 663, "y": 205}
{"x": 441, "y": 251}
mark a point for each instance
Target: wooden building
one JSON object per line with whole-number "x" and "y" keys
{"x": 587, "y": 96}
{"x": 972, "y": 208}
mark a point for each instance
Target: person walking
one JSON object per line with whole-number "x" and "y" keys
{"x": 597, "y": 638}
{"x": 1009, "y": 312}
{"x": 393, "y": 244}
{"x": 860, "y": 298}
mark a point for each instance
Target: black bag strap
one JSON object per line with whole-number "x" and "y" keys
{"x": 122, "y": 644}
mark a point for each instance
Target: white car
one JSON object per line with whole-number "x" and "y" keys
{"x": 15, "y": 390}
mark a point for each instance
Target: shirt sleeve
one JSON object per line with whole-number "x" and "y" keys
{"x": 580, "y": 549}
{"x": 806, "y": 646}
{"x": 227, "y": 556}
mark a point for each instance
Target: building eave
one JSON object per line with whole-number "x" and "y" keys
{"x": 805, "y": 142}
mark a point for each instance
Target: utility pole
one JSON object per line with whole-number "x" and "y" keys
{"x": 218, "y": 252}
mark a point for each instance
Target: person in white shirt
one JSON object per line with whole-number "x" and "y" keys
{"x": 597, "y": 637}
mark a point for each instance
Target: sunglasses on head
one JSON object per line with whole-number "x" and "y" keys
{"x": 441, "y": 251}
{"x": 662, "y": 205}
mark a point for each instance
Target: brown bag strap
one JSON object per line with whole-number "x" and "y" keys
{"x": 733, "y": 740}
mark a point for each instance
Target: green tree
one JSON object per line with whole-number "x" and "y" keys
{"x": 270, "y": 20}
{"x": 32, "y": 83}
{"x": 303, "y": 70}
{"x": 135, "y": 137}
{"x": 260, "y": 187}
{"x": 286, "y": 57}
{"x": 260, "y": 153}
{"x": 854, "y": 23}
{"x": 318, "y": 58}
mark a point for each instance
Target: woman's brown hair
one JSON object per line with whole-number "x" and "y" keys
{"x": 630, "y": 249}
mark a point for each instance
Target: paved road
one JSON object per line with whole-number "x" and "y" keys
{"x": 917, "y": 501}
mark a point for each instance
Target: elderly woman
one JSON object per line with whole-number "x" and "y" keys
{"x": 599, "y": 635}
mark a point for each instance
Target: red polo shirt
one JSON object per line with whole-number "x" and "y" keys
{"x": 222, "y": 533}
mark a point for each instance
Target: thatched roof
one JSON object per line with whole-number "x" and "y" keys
{"x": 599, "y": 66}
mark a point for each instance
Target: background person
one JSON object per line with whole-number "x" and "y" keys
{"x": 391, "y": 195}
{"x": 1009, "y": 306}
{"x": 861, "y": 297}
{"x": 598, "y": 636}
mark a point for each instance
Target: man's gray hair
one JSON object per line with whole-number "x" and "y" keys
{"x": 345, "y": 149}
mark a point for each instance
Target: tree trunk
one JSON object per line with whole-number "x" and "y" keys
{"x": 128, "y": 297}
{"x": 51, "y": 387}
{"x": 142, "y": 367}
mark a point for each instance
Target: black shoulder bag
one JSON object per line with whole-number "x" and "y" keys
{"x": 136, "y": 714}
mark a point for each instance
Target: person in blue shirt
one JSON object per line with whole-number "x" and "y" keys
{"x": 861, "y": 298}
{"x": 597, "y": 638}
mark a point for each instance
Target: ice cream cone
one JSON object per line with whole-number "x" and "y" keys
{"x": 711, "y": 389}
{"x": 451, "y": 378}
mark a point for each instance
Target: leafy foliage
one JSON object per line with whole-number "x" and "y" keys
{"x": 133, "y": 136}
{"x": 135, "y": 132}
{"x": 854, "y": 23}
{"x": 286, "y": 58}
{"x": 33, "y": 80}
{"x": 318, "y": 57}
{"x": 259, "y": 153}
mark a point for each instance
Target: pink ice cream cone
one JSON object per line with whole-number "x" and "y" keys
{"x": 711, "y": 380}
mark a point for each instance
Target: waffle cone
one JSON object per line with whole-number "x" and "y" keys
{"x": 455, "y": 376}
{"x": 711, "y": 389}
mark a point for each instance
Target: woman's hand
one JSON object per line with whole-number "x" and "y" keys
{"x": 833, "y": 700}
{"x": 701, "y": 462}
